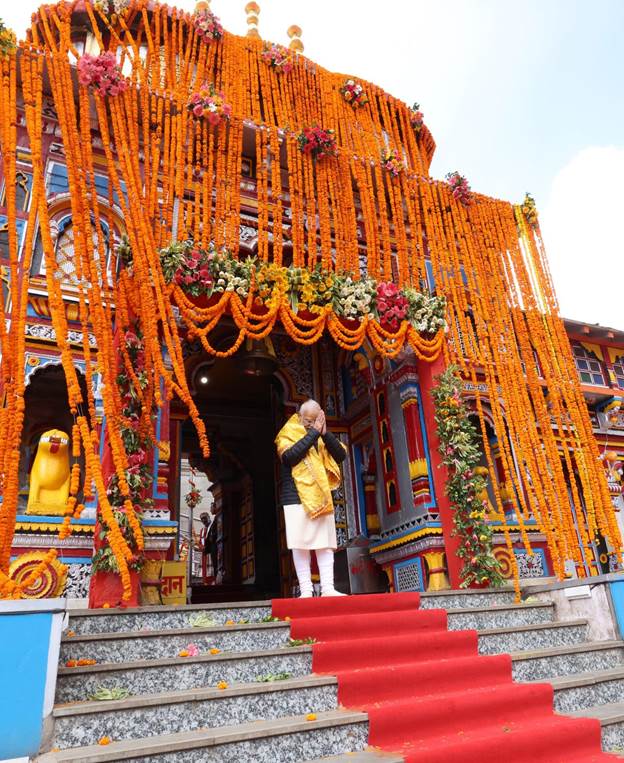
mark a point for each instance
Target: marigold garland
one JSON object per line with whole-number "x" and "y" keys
{"x": 173, "y": 174}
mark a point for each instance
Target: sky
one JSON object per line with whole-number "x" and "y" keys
{"x": 519, "y": 97}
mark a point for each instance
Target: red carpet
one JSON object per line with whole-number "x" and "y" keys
{"x": 429, "y": 695}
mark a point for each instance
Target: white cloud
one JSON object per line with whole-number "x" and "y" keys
{"x": 583, "y": 232}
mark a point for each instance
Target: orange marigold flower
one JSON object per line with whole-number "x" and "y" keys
{"x": 311, "y": 717}
{"x": 104, "y": 740}
{"x": 230, "y": 622}
{"x": 71, "y": 664}
{"x": 183, "y": 653}
{"x": 222, "y": 685}
{"x": 214, "y": 650}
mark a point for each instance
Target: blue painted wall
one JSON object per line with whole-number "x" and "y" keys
{"x": 617, "y": 597}
{"x": 24, "y": 645}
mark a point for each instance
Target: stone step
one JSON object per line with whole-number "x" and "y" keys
{"x": 582, "y": 690}
{"x": 157, "y": 618}
{"x": 127, "y": 646}
{"x": 523, "y": 637}
{"x": 465, "y": 599}
{"x": 84, "y": 723}
{"x": 331, "y": 733}
{"x": 123, "y": 646}
{"x": 84, "y": 621}
{"x": 152, "y": 676}
{"x": 611, "y": 719}
{"x": 540, "y": 664}
{"x": 500, "y": 616}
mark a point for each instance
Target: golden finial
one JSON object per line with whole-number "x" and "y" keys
{"x": 252, "y": 10}
{"x": 294, "y": 32}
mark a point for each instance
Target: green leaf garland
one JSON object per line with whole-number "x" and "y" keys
{"x": 459, "y": 447}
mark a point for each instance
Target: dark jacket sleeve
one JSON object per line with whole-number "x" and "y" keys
{"x": 296, "y": 452}
{"x": 334, "y": 446}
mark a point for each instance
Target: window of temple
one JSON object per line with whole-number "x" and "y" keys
{"x": 392, "y": 494}
{"x": 388, "y": 460}
{"x": 381, "y": 404}
{"x": 4, "y": 235}
{"x": 618, "y": 370}
{"x": 588, "y": 366}
{"x": 384, "y": 432}
{"x": 64, "y": 251}
{"x": 23, "y": 184}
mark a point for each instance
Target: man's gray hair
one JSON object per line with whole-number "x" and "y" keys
{"x": 309, "y": 404}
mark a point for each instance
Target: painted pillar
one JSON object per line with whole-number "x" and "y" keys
{"x": 384, "y": 442}
{"x": 426, "y": 374}
{"x": 406, "y": 379}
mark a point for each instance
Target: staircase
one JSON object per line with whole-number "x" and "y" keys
{"x": 388, "y": 658}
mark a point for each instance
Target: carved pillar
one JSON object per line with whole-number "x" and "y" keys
{"x": 386, "y": 455}
{"x": 370, "y": 500}
{"x": 406, "y": 379}
{"x": 436, "y": 568}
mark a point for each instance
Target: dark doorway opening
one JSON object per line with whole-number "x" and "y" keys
{"x": 242, "y": 412}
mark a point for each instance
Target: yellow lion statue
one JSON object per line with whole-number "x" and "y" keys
{"x": 50, "y": 475}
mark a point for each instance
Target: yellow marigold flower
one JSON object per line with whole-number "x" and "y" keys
{"x": 311, "y": 717}
{"x": 222, "y": 685}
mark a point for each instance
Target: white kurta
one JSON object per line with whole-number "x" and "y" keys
{"x": 306, "y": 533}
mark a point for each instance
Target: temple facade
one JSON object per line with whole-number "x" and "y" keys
{"x": 394, "y": 498}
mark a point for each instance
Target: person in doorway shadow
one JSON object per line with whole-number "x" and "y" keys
{"x": 310, "y": 458}
{"x": 208, "y": 544}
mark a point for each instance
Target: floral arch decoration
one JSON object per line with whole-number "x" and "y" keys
{"x": 332, "y": 179}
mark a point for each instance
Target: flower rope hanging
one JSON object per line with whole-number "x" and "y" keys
{"x": 465, "y": 486}
{"x": 169, "y": 172}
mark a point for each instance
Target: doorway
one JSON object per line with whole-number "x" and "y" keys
{"x": 242, "y": 413}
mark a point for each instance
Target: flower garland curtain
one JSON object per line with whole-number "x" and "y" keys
{"x": 177, "y": 174}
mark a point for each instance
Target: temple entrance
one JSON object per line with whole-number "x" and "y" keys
{"x": 241, "y": 406}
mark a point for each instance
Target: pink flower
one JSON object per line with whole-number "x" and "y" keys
{"x": 193, "y": 650}
{"x": 136, "y": 459}
{"x": 198, "y": 110}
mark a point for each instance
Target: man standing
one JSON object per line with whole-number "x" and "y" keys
{"x": 208, "y": 545}
{"x": 310, "y": 458}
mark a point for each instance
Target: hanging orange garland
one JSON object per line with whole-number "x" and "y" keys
{"x": 177, "y": 174}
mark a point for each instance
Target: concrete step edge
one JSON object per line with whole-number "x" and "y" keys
{"x": 606, "y": 714}
{"x": 531, "y": 626}
{"x": 365, "y": 756}
{"x": 586, "y": 678}
{"x": 468, "y": 591}
{"x": 553, "y": 651}
{"x": 104, "y": 667}
{"x": 150, "y": 609}
{"x": 190, "y": 630}
{"x": 89, "y": 707}
{"x": 499, "y": 608}
{"x": 190, "y": 740}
